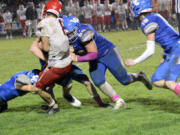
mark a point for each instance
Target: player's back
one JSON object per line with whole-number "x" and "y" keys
{"x": 165, "y": 34}
{"x": 103, "y": 44}
{"x": 58, "y": 54}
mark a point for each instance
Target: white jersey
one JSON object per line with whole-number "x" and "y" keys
{"x": 39, "y": 13}
{"x": 22, "y": 14}
{"x": 7, "y": 17}
{"x": 69, "y": 10}
{"x": 94, "y": 5}
{"x": 100, "y": 10}
{"x": 121, "y": 9}
{"x": 107, "y": 9}
{"x": 58, "y": 55}
{"x": 87, "y": 11}
{"x": 115, "y": 7}
{"x": 76, "y": 11}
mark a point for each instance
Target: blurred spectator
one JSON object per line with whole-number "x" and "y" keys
{"x": 87, "y": 11}
{"x": 1, "y": 22}
{"x": 93, "y": 3}
{"x": 100, "y": 16}
{"x": 122, "y": 15}
{"x": 8, "y": 23}
{"x": 107, "y": 14}
{"x": 31, "y": 18}
{"x": 155, "y": 8}
{"x": 69, "y": 9}
{"x": 76, "y": 9}
{"x": 164, "y": 8}
{"x": 21, "y": 13}
{"x": 115, "y": 9}
{"x": 40, "y": 11}
{"x": 176, "y": 12}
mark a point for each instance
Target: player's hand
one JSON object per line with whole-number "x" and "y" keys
{"x": 74, "y": 57}
{"x": 129, "y": 62}
{"x": 174, "y": 16}
{"x": 162, "y": 60}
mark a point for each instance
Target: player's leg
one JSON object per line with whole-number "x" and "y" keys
{"x": 174, "y": 72}
{"x": 97, "y": 72}
{"x": 115, "y": 64}
{"x": 66, "y": 83}
{"x": 49, "y": 89}
{"x": 78, "y": 75}
{"x": 109, "y": 22}
{"x": 167, "y": 73}
{"x": 48, "y": 78}
{"x": 3, "y": 106}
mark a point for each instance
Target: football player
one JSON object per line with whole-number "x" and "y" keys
{"x": 101, "y": 55}
{"x": 17, "y": 86}
{"x": 56, "y": 44}
{"x": 66, "y": 82}
{"x": 157, "y": 29}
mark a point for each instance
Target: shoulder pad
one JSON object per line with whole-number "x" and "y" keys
{"x": 150, "y": 28}
{"x": 87, "y": 36}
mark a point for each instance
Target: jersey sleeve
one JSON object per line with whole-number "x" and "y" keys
{"x": 44, "y": 29}
{"x": 148, "y": 26}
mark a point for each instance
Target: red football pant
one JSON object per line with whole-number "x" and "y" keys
{"x": 107, "y": 19}
{"x": 51, "y": 76}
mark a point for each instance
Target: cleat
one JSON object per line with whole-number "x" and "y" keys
{"x": 119, "y": 104}
{"x": 144, "y": 79}
{"x": 44, "y": 107}
{"x": 72, "y": 100}
{"x": 52, "y": 110}
{"x": 105, "y": 105}
{"x": 3, "y": 107}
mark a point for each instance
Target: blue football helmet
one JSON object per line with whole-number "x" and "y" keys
{"x": 34, "y": 75}
{"x": 141, "y": 6}
{"x": 71, "y": 24}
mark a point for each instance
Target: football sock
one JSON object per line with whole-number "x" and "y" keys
{"x": 177, "y": 90}
{"x": 52, "y": 104}
{"x": 115, "y": 97}
{"x": 107, "y": 89}
{"x": 98, "y": 100}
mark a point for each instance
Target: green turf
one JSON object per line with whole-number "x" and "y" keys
{"x": 153, "y": 112}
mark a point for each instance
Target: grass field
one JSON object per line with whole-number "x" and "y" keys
{"x": 155, "y": 112}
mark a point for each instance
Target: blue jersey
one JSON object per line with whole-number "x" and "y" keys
{"x": 8, "y": 90}
{"x": 165, "y": 34}
{"x": 103, "y": 44}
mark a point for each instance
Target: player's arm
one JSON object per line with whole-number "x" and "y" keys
{"x": 23, "y": 82}
{"x": 45, "y": 43}
{"x": 150, "y": 49}
{"x": 36, "y": 49}
{"x": 149, "y": 30}
{"x": 90, "y": 46}
{"x": 28, "y": 88}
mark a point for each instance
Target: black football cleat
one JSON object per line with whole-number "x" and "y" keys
{"x": 52, "y": 110}
{"x": 3, "y": 107}
{"x": 44, "y": 107}
{"x": 144, "y": 79}
{"x": 106, "y": 105}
